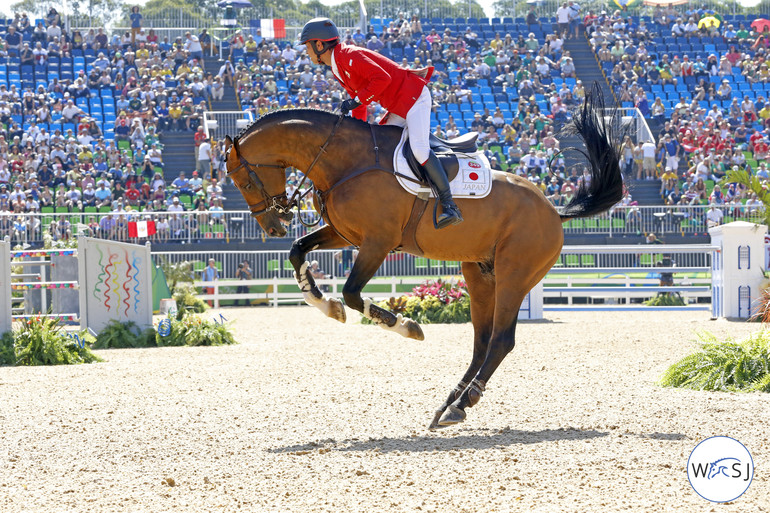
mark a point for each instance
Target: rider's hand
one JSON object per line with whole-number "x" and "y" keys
{"x": 348, "y": 105}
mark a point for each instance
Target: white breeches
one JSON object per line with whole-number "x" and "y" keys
{"x": 418, "y": 122}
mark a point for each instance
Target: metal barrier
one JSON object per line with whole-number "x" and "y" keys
{"x": 194, "y": 226}
{"x": 218, "y": 124}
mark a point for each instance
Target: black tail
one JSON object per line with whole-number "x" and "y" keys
{"x": 594, "y": 126}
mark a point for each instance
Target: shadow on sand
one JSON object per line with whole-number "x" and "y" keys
{"x": 479, "y": 439}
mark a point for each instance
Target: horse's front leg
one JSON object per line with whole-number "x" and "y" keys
{"x": 324, "y": 238}
{"x": 369, "y": 260}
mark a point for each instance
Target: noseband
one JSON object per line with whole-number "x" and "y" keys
{"x": 280, "y": 202}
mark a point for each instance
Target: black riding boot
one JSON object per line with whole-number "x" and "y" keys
{"x": 436, "y": 174}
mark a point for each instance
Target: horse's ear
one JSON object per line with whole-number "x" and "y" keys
{"x": 228, "y": 142}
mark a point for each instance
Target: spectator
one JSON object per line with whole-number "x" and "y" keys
{"x": 563, "y": 19}
{"x": 243, "y": 274}
{"x": 136, "y": 22}
{"x": 210, "y": 275}
{"x": 203, "y": 165}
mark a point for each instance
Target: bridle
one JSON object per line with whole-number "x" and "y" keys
{"x": 280, "y": 202}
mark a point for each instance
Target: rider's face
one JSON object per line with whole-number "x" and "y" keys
{"x": 309, "y": 45}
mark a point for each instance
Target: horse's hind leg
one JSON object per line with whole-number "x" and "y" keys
{"x": 324, "y": 238}
{"x": 481, "y": 288}
{"x": 513, "y": 282}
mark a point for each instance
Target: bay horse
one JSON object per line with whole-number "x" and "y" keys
{"x": 507, "y": 243}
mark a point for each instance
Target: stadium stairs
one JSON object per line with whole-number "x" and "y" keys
{"x": 587, "y": 68}
{"x": 588, "y": 71}
{"x": 229, "y": 102}
{"x": 645, "y": 192}
{"x": 177, "y": 154}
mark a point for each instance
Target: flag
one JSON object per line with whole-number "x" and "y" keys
{"x": 272, "y": 28}
{"x": 141, "y": 228}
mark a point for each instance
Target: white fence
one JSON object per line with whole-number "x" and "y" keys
{"x": 586, "y": 277}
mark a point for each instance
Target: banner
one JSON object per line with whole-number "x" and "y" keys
{"x": 141, "y": 228}
{"x": 272, "y": 28}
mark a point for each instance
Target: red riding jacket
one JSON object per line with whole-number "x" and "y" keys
{"x": 371, "y": 76}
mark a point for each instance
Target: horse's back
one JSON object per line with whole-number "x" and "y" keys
{"x": 515, "y": 210}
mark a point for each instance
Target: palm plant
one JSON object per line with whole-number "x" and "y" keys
{"x": 753, "y": 184}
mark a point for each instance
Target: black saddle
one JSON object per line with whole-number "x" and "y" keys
{"x": 445, "y": 151}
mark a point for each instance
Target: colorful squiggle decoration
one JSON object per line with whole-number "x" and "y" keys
{"x": 135, "y": 263}
{"x": 107, "y": 282}
{"x": 114, "y": 281}
{"x": 125, "y": 284}
{"x": 101, "y": 274}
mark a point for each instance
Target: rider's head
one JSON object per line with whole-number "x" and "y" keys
{"x": 319, "y": 35}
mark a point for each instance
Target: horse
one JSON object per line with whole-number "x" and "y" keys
{"x": 507, "y": 243}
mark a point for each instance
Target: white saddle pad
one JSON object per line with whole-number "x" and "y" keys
{"x": 473, "y": 180}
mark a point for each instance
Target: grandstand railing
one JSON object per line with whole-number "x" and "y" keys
{"x": 240, "y": 226}
{"x": 631, "y": 121}
{"x": 219, "y": 123}
{"x": 611, "y": 274}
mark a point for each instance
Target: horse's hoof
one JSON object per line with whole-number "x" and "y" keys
{"x": 436, "y": 418}
{"x": 413, "y": 330}
{"x": 337, "y": 310}
{"x": 453, "y": 415}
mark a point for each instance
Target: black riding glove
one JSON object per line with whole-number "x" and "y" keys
{"x": 348, "y": 105}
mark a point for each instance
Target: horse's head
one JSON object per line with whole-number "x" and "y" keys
{"x": 263, "y": 186}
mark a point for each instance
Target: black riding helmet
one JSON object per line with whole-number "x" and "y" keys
{"x": 322, "y": 29}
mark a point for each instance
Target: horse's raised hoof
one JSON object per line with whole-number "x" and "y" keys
{"x": 453, "y": 415}
{"x": 336, "y": 310}
{"x": 413, "y": 330}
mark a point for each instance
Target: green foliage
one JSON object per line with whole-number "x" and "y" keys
{"x": 666, "y": 299}
{"x": 724, "y": 366}
{"x": 180, "y": 272}
{"x": 191, "y": 330}
{"x": 124, "y": 334}
{"x": 187, "y": 300}
{"x": 7, "y": 350}
{"x": 754, "y": 184}
{"x": 43, "y": 341}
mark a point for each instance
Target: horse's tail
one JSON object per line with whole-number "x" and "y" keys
{"x": 594, "y": 126}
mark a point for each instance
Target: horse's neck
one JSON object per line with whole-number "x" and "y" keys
{"x": 353, "y": 150}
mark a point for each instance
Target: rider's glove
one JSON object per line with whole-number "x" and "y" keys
{"x": 348, "y": 105}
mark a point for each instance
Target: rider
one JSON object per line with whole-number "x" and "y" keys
{"x": 369, "y": 76}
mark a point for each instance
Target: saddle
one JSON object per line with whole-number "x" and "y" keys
{"x": 445, "y": 150}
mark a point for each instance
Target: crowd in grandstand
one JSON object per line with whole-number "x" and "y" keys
{"x": 81, "y": 116}
{"x": 701, "y": 81}
{"x": 513, "y": 88}
{"x": 81, "y": 113}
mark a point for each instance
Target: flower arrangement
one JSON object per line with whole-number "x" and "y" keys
{"x": 432, "y": 302}
{"x": 191, "y": 330}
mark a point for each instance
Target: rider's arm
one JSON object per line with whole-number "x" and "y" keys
{"x": 378, "y": 79}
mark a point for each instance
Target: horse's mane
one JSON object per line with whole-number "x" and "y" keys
{"x": 290, "y": 113}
